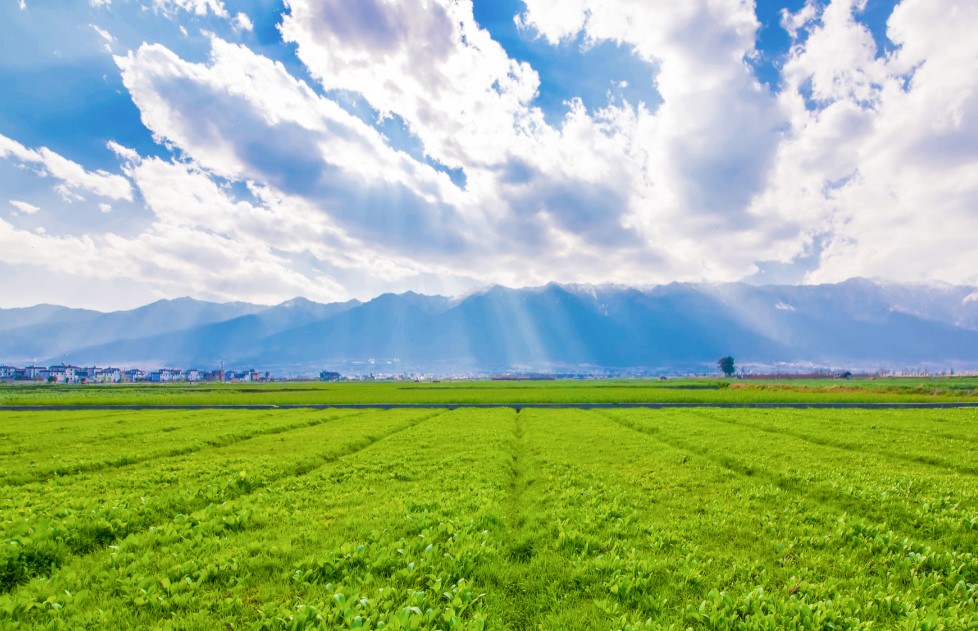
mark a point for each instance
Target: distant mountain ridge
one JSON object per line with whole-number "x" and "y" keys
{"x": 676, "y": 327}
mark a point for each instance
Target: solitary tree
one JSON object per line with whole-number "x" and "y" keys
{"x": 726, "y": 364}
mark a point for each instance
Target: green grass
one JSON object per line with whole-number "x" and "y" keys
{"x": 490, "y": 519}
{"x": 604, "y": 391}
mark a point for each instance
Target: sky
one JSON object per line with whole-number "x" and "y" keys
{"x": 334, "y": 149}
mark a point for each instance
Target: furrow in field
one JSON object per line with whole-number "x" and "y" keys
{"x": 791, "y": 542}
{"x": 216, "y": 442}
{"x": 515, "y": 583}
{"x": 956, "y": 426}
{"x": 54, "y": 545}
{"x": 312, "y": 549}
{"x": 491, "y": 519}
{"x": 816, "y": 495}
{"x": 74, "y": 440}
{"x": 64, "y": 430}
{"x": 621, "y": 525}
{"x": 942, "y": 463}
{"x": 572, "y": 522}
{"x": 912, "y": 492}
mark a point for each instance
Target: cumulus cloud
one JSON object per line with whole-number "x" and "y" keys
{"x": 881, "y": 156}
{"x": 175, "y": 255}
{"x": 804, "y": 17}
{"x": 863, "y": 162}
{"x": 125, "y": 153}
{"x": 197, "y": 7}
{"x": 24, "y": 207}
{"x": 425, "y": 60}
{"x": 72, "y": 175}
{"x": 243, "y": 117}
{"x": 724, "y": 174}
{"x": 704, "y": 154}
{"x": 105, "y": 35}
{"x": 242, "y": 22}
{"x": 67, "y": 195}
{"x": 470, "y": 106}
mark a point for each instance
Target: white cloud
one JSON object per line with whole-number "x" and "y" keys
{"x": 24, "y": 207}
{"x": 469, "y": 104}
{"x": 72, "y": 174}
{"x": 263, "y": 125}
{"x": 621, "y": 194}
{"x": 105, "y": 208}
{"x": 723, "y": 174}
{"x": 125, "y": 153}
{"x": 427, "y": 61}
{"x": 22, "y": 4}
{"x": 705, "y": 152}
{"x": 885, "y": 166}
{"x": 341, "y": 170}
{"x": 100, "y": 3}
{"x": 864, "y": 163}
{"x": 105, "y": 35}
{"x": 838, "y": 58}
{"x": 242, "y": 22}
{"x": 67, "y": 195}
{"x": 196, "y": 7}
{"x": 803, "y": 18}
{"x": 174, "y": 255}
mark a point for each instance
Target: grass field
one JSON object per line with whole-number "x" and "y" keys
{"x": 490, "y": 519}
{"x": 504, "y": 392}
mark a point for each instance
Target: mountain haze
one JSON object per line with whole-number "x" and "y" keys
{"x": 676, "y": 327}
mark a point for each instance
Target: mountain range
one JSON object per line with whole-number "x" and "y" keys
{"x": 680, "y": 327}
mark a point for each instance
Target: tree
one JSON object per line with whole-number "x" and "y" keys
{"x": 726, "y": 364}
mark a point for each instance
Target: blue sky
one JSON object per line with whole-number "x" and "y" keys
{"x": 259, "y": 150}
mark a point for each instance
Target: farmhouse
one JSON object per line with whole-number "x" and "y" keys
{"x": 61, "y": 374}
{"x": 34, "y": 372}
{"x": 245, "y": 375}
{"x": 65, "y": 373}
{"x": 164, "y": 375}
{"x": 134, "y": 374}
{"x": 108, "y": 375}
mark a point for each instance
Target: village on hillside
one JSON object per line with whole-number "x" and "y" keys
{"x": 66, "y": 373}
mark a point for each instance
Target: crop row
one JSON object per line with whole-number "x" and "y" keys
{"x": 79, "y": 443}
{"x": 47, "y": 523}
{"x": 498, "y": 392}
{"x": 388, "y": 537}
{"x": 492, "y": 519}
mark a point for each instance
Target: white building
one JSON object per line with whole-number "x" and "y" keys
{"x": 165, "y": 375}
{"x": 61, "y": 374}
{"x": 34, "y": 372}
{"x": 108, "y": 375}
{"x": 134, "y": 374}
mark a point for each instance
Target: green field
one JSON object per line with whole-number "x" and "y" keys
{"x": 490, "y": 519}
{"x": 503, "y": 392}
